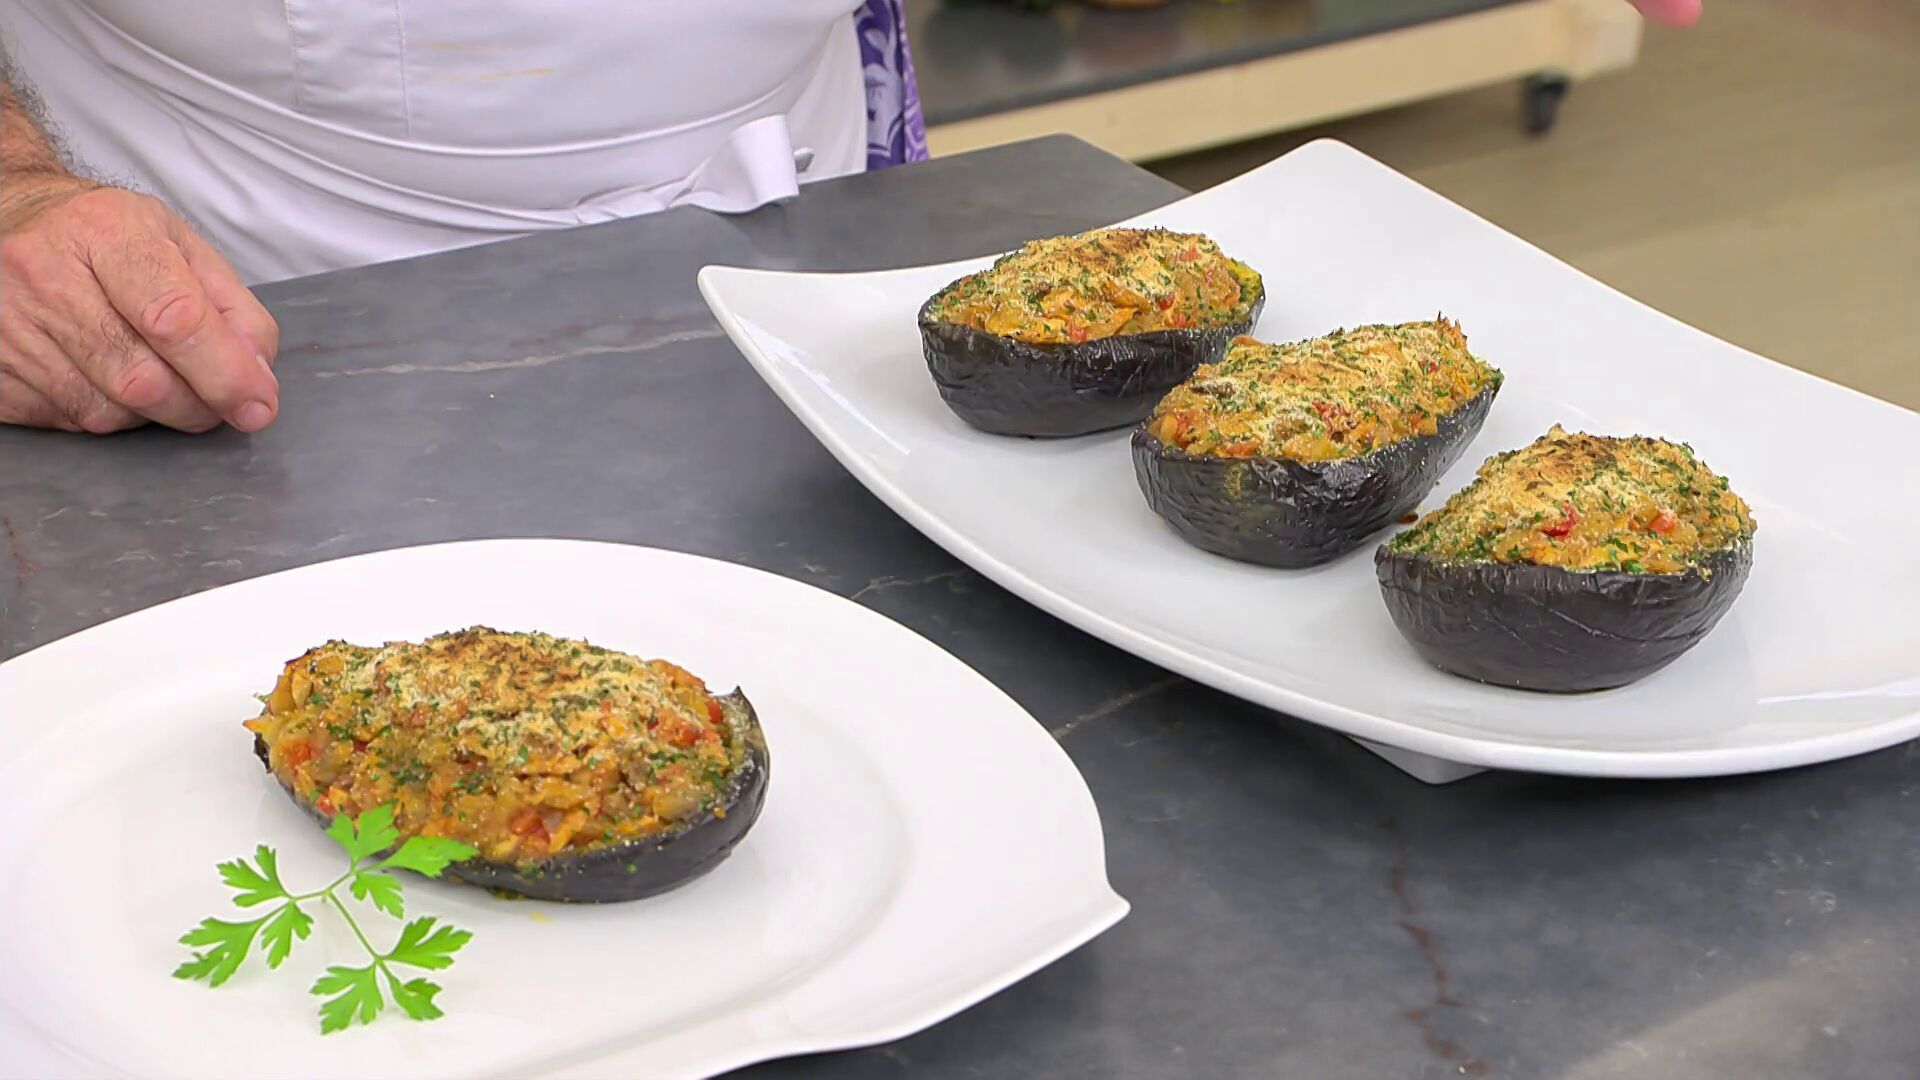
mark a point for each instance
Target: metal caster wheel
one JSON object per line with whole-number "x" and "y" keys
{"x": 1544, "y": 93}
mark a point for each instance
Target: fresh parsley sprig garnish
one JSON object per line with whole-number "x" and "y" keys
{"x": 221, "y": 945}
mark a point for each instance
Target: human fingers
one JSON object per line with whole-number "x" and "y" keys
{"x": 33, "y": 360}
{"x": 62, "y": 325}
{"x": 125, "y": 369}
{"x": 231, "y": 297}
{"x": 148, "y": 281}
{"x": 22, "y": 404}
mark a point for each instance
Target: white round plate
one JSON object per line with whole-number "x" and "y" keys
{"x": 885, "y": 887}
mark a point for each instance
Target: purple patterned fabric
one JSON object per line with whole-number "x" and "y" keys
{"x": 896, "y": 132}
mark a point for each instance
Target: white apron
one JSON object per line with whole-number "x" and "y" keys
{"x": 307, "y": 135}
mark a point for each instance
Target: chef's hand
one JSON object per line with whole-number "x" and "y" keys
{"x": 1670, "y": 12}
{"x": 113, "y": 312}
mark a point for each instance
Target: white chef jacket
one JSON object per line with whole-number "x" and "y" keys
{"x": 306, "y": 135}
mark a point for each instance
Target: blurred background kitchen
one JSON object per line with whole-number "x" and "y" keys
{"x": 1756, "y": 175}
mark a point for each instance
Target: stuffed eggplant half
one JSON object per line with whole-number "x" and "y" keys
{"x": 1291, "y": 455}
{"x": 1083, "y": 333}
{"x": 1580, "y": 562}
{"x": 579, "y": 773}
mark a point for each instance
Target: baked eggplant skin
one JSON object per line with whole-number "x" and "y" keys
{"x": 1546, "y": 628}
{"x": 636, "y": 869}
{"x": 1276, "y": 511}
{"x": 1004, "y": 386}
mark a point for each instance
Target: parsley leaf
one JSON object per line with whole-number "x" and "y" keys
{"x": 282, "y": 928}
{"x": 358, "y": 991}
{"x": 428, "y": 855}
{"x": 415, "y": 996}
{"x": 255, "y": 886}
{"x": 365, "y": 836}
{"x": 419, "y": 948}
{"x": 382, "y": 888}
{"x": 230, "y": 942}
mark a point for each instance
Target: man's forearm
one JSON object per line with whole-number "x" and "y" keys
{"x": 32, "y": 176}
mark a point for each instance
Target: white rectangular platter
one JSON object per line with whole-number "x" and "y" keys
{"x": 1820, "y": 658}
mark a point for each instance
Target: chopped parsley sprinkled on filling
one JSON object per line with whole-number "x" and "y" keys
{"x": 1340, "y": 396}
{"x": 1587, "y": 502}
{"x": 523, "y": 745}
{"x": 1100, "y": 284}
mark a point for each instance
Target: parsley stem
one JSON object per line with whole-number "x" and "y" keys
{"x": 347, "y": 915}
{"x": 379, "y": 958}
{"x": 328, "y": 891}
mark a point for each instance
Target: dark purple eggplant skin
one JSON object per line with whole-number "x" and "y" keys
{"x": 1008, "y": 387}
{"x": 1550, "y": 629}
{"x": 1279, "y": 512}
{"x": 640, "y": 868}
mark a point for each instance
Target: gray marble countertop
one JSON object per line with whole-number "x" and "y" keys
{"x": 1300, "y": 908}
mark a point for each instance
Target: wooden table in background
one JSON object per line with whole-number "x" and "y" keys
{"x": 1148, "y": 83}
